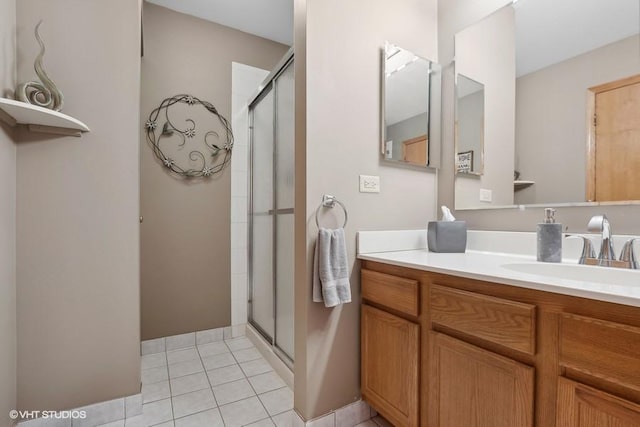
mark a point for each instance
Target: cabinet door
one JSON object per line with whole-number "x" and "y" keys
{"x": 390, "y": 354}
{"x": 472, "y": 387}
{"x": 583, "y": 406}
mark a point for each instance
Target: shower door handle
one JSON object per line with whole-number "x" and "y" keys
{"x": 280, "y": 211}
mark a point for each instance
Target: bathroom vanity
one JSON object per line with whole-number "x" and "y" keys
{"x": 487, "y": 346}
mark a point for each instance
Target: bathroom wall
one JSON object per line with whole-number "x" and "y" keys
{"x": 559, "y": 91}
{"x": 471, "y": 128}
{"x": 486, "y": 53}
{"x": 78, "y": 208}
{"x": 337, "y": 138}
{"x": 7, "y": 220}
{"x": 185, "y": 251}
{"x": 453, "y": 16}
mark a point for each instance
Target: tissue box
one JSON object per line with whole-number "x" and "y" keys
{"x": 447, "y": 236}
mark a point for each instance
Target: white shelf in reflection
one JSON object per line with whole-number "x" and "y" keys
{"x": 520, "y": 184}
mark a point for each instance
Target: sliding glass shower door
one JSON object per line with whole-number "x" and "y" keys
{"x": 271, "y": 211}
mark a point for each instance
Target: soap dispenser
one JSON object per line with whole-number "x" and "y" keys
{"x": 549, "y": 238}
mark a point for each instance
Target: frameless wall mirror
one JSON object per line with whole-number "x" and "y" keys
{"x": 562, "y": 97}
{"x": 469, "y": 126}
{"x": 411, "y": 88}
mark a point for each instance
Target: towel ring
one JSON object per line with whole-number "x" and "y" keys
{"x": 329, "y": 201}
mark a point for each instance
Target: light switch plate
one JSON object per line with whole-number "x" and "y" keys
{"x": 486, "y": 195}
{"x": 369, "y": 184}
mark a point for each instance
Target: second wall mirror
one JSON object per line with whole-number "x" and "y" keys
{"x": 561, "y": 100}
{"x": 469, "y": 126}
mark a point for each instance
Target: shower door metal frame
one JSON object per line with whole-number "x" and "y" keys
{"x": 269, "y": 84}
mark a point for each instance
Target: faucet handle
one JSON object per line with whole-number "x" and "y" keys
{"x": 587, "y": 247}
{"x": 628, "y": 256}
{"x": 607, "y": 253}
{"x": 597, "y": 223}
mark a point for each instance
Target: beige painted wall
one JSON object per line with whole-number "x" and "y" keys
{"x": 455, "y": 15}
{"x": 554, "y": 155}
{"x": 186, "y": 229}
{"x": 78, "y": 208}
{"x": 485, "y": 52}
{"x": 8, "y": 328}
{"x": 337, "y": 138}
{"x": 470, "y": 114}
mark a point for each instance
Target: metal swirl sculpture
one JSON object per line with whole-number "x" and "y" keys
{"x": 207, "y": 169}
{"x": 44, "y": 93}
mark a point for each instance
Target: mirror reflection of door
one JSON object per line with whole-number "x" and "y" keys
{"x": 614, "y": 146}
{"x": 415, "y": 150}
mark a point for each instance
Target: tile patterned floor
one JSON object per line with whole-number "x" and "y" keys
{"x": 376, "y": 421}
{"x": 223, "y": 383}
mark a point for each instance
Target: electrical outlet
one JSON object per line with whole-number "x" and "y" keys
{"x": 369, "y": 184}
{"x": 485, "y": 195}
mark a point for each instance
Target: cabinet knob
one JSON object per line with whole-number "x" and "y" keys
{"x": 141, "y": 219}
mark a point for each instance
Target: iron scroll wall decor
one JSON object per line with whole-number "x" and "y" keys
{"x": 211, "y": 159}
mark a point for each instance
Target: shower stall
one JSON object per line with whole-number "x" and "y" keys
{"x": 271, "y": 197}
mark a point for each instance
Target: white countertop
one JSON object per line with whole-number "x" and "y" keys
{"x": 490, "y": 266}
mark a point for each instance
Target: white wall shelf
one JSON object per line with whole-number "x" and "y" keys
{"x": 39, "y": 119}
{"x": 519, "y": 184}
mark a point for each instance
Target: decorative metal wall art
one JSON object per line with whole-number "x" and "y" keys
{"x": 44, "y": 93}
{"x": 211, "y": 159}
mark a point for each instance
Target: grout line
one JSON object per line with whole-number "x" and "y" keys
{"x": 195, "y": 413}
{"x": 251, "y": 385}
{"x": 210, "y": 387}
{"x": 173, "y": 416}
{"x": 169, "y": 378}
{"x": 192, "y": 391}
{"x": 200, "y": 358}
{"x": 263, "y": 419}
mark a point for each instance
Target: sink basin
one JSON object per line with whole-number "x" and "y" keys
{"x": 582, "y": 273}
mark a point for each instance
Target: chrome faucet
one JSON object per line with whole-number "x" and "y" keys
{"x": 607, "y": 254}
{"x": 627, "y": 255}
{"x": 587, "y": 248}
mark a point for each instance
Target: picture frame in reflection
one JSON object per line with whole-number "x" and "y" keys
{"x": 465, "y": 162}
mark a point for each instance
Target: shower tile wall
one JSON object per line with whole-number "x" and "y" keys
{"x": 245, "y": 81}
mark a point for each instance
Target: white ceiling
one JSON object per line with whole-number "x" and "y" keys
{"x": 466, "y": 86}
{"x": 272, "y": 19}
{"x": 550, "y": 31}
{"x": 406, "y": 86}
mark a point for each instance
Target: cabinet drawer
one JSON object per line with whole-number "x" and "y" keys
{"x": 602, "y": 349}
{"x": 508, "y": 323}
{"x": 390, "y": 291}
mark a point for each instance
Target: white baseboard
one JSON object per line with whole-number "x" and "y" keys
{"x": 91, "y": 415}
{"x": 348, "y": 416}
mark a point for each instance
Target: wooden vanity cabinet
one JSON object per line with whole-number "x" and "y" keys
{"x": 390, "y": 376}
{"x": 583, "y": 406}
{"x": 471, "y": 386}
{"x": 497, "y": 391}
{"x": 446, "y": 351}
{"x": 390, "y": 347}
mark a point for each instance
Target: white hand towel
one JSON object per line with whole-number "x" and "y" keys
{"x": 331, "y": 268}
